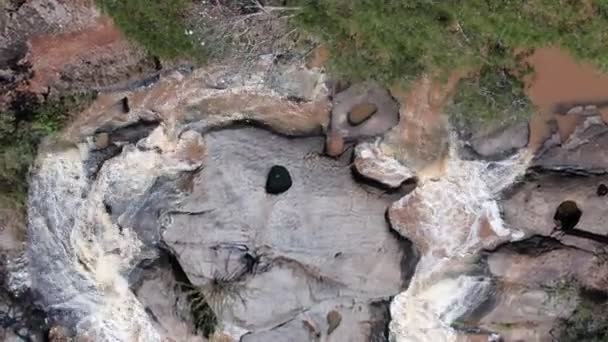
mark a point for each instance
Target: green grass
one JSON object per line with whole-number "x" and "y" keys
{"x": 158, "y": 25}
{"x": 494, "y": 97}
{"x": 395, "y": 41}
{"x": 21, "y": 129}
{"x": 587, "y": 323}
{"x": 398, "y": 40}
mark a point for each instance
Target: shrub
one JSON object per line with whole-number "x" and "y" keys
{"x": 22, "y": 126}
{"x": 495, "y": 96}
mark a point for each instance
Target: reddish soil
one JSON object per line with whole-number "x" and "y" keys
{"x": 423, "y": 128}
{"x": 49, "y": 54}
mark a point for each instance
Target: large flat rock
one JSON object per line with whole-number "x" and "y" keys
{"x": 584, "y": 152}
{"x": 324, "y": 239}
{"x": 532, "y": 205}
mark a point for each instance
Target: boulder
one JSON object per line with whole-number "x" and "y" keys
{"x": 278, "y": 180}
{"x": 361, "y": 112}
{"x": 371, "y": 163}
{"x": 567, "y": 214}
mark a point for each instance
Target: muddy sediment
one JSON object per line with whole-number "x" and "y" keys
{"x": 558, "y": 80}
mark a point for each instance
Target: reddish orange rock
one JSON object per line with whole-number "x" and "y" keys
{"x": 334, "y": 145}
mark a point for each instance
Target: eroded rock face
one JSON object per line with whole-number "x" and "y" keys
{"x": 537, "y": 283}
{"x": 49, "y": 45}
{"x": 581, "y": 153}
{"x": 323, "y": 245}
{"x": 531, "y": 206}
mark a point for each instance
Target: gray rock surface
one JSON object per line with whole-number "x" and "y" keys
{"x": 530, "y": 206}
{"x": 537, "y": 284}
{"x": 165, "y": 300}
{"x": 583, "y": 152}
{"x": 501, "y": 142}
{"x": 323, "y": 241}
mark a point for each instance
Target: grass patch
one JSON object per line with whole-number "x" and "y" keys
{"x": 22, "y": 127}
{"x": 159, "y": 26}
{"x": 395, "y": 41}
{"x": 208, "y": 302}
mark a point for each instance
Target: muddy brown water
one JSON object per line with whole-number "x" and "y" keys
{"x": 558, "y": 79}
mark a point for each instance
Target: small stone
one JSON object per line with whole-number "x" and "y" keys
{"x": 575, "y": 110}
{"x": 602, "y": 190}
{"x": 334, "y": 145}
{"x": 333, "y": 321}
{"x": 567, "y": 215}
{"x": 361, "y": 112}
{"x": 101, "y": 140}
{"x": 279, "y": 180}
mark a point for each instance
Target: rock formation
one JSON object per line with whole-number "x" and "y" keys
{"x": 224, "y": 204}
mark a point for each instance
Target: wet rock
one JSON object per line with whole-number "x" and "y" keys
{"x": 362, "y": 99}
{"x": 372, "y": 163}
{"x": 325, "y": 236}
{"x": 334, "y": 144}
{"x": 501, "y": 142}
{"x": 361, "y": 112}
{"x": 420, "y": 140}
{"x": 448, "y": 225}
{"x": 278, "y": 180}
{"x": 583, "y": 152}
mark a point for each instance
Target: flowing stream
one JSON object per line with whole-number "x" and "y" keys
{"x": 450, "y": 219}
